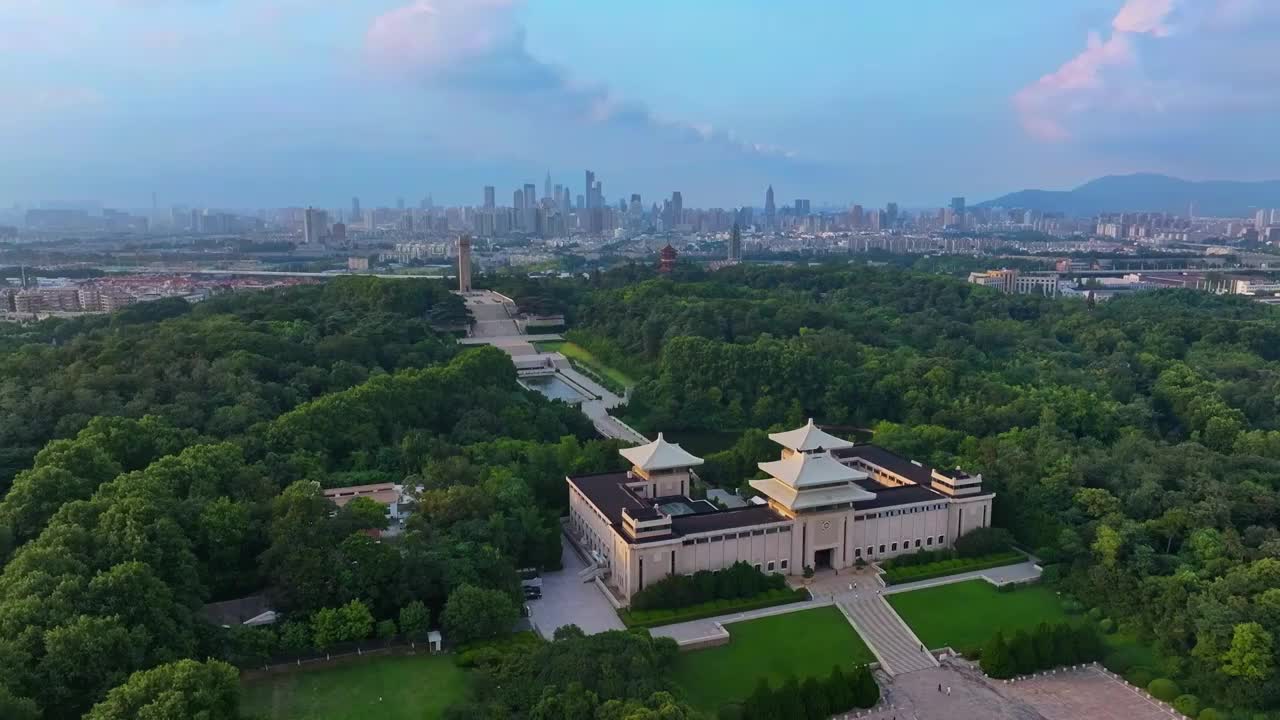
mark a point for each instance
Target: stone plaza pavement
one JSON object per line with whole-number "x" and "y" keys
{"x": 567, "y": 600}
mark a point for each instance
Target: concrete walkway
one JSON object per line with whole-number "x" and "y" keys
{"x": 893, "y": 643}
{"x": 567, "y": 600}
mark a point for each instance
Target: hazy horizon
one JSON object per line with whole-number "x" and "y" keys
{"x": 240, "y": 103}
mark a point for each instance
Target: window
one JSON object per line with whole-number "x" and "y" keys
{"x": 882, "y": 548}
{"x": 894, "y": 547}
{"x": 917, "y": 542}
{"x": 782, "y": 564}
{"x": 757, "y": 566}
{"x": 928, "y": 540}
{"x": 857, "y": 552}
{"x": 870, "y": 551}
{"x": 757, "y": 532}
{"x": 769, "y": 566}
{"x": 942, "y": 539}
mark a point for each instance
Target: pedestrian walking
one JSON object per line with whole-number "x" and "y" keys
{"x": 948, "y": 691}
{"x": 939, "y": 687}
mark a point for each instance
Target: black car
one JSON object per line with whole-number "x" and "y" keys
{"x": 532, "y": 593}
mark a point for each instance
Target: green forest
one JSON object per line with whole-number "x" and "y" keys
{"x": 172, "y": 455}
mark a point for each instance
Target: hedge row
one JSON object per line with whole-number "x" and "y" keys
{"x": 950, "y": 567}
{"x": 656, "y": 618}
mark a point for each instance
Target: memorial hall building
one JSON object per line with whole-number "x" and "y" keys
{"x": 826, "y": 503}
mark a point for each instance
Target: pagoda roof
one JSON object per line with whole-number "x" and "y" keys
{"x": 660, "y": 455}
{"x": 807, "y": 470}
{"x": 808, "y": 438}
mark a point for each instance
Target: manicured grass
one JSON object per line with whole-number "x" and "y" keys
{"x": 584, "y": 356}
{"x": 414, "y": 687}
{"x": 965, "y": 615}
{"x": 804, "y": 644}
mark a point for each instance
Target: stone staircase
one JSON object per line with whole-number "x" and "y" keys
{"x": 893, "y": 643}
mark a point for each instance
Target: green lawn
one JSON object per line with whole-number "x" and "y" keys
{"x": 584, "y": 356}
{"x": 965, "y": 615}
{"x": 805, "y": 644}
{"x": 416, "y": 687}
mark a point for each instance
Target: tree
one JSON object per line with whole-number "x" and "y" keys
{"x": 415, "y": 620}
{"x": 866, "y": 691}
{"x": 789, "y": 699}
{"x": 1023, "y": 651}
{"x": 181, "y": 690}
{"x": 17, "y": 708}
{"x": 997, "y": 660}
{"x": 761, "y": 704}
{"x": 1251, "y": 655}
{"x": 838, "y": 690}
{"x": 349, "y": 623}
{"x": 474, "y": 613}
{"x": 817, "y": 702}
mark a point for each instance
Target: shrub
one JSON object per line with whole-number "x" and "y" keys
{"x": 1163, "y": 689}
{"x": 735, "y": 582}
{"x": 1107, "y": 626}
{"x": 1211, "y": 714}
{"x": 386, "y": 629}
{"x": 1072, "y": 607}
{"x": 1118, "y": 663}
{"x": 1095, "y": 614}
{"x": 1188, "y": 705}
{"x": 1140, "y": 676}
{"x": 983, "y": 541}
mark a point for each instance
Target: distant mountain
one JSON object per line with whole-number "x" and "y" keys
{"x": 1149, "y": 193}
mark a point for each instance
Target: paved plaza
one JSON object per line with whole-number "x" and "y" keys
{"x": 566, "y": 600}
{"x": 1087, "y": 693}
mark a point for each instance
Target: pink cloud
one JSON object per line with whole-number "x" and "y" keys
{"x": 1081, "y": 83}
{"x": 435, "y": 36}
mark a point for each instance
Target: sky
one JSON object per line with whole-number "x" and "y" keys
{"x": 263, "y": 103}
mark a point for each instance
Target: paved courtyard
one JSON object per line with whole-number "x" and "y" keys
{"x": 1083, "y": 694}
{"x": 566, "y": 600}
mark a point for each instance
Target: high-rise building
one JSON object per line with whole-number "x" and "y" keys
{"x": 957, "y": 211}
{"x": 802, "y": 207}
{"x": 1261, "y": 220}
{"x": 546, "y": 187}
{"x": 530, "y": 195}
{"x": 489, "y": 201}
{"x": 517, "y": 200}
{"x": 464, "y": 263}
{"x": 355, "y": 208}
{"x": 677, "y": 209}
{"x": 313, "y": 226}
{"x": 591, "y": 186}
{"x": 735, "y": 244}
{"x": 856, "y": 219}
{"x": 891, "y": 215}
{"x": 597, "y": 201}
{"x": 770, "y": 210}
{"x": 400, "y": 203}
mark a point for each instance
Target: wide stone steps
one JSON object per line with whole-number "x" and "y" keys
{"x": 894, "y": 644}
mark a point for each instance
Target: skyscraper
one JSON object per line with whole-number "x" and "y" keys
{"x": 1260, "y": 220}
{"x": 355, "y": 208}
{"x": 677, "y": 209}
{"x": 735, "y": 244}
{"x": 464, "y": 263}
{"x": 517, "y": 199}
{"x": 891, "y": 214}
{"x": 313, "y": 225}
{"x": 546, "y": 187}
{"x": 400, "y": 203}
{"x": 770, "y": 210}
{"x": 489, "y": 202}
{"x": 591, "y": 186}
{"x": 530, "y": 195}
{"x": 957, "y": 211}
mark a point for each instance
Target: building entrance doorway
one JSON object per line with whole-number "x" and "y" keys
{"x": 822, "y": 559}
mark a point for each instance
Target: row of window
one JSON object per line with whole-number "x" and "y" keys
{"x": 903, "y": 511}
{"x": 893, "y": 547}
{"x": 731, "y": 536}
{"x": 769, "y": 566}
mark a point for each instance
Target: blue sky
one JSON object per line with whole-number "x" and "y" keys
{"x": 247, "y": 103}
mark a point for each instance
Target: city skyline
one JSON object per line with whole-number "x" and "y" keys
{"x": 115, "y": 100}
